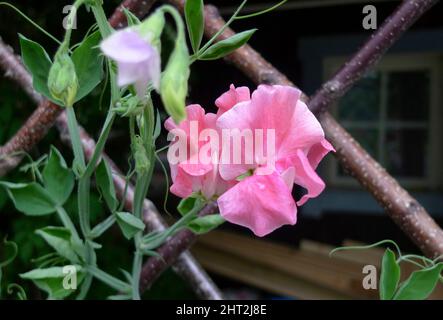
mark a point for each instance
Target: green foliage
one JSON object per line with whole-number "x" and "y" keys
{"x": 105, "y": 184}
{"x": 195, "y": 22}
{"x": 88, "y": 63}
{"x": 205, "y": 224}
{"x": 50, "y": 280}
{"x": 86, "y": 58}
{"x": 227, "y": 46}
{"x": 52, "y": 181}
{"x": 420, "y": 284}
{"x": 58, "y": 178}
{"x": 60, "y": 239}
{"x": 390, "y": 275}
{"x": 129, "y": 224}
{"x": 38, "y": 63}
{"x": 31, "y": 199}
{"x": 186, "y": 205}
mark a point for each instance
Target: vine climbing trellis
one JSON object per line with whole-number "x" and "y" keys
{"x": 405, "y": 211}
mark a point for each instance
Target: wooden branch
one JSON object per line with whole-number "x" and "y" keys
{"x": 43, "y": 118}
{"x": 169, "y": 252}
{"x": 183, "y": 263}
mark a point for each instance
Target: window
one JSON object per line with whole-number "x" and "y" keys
{"x": 394, "y": 113}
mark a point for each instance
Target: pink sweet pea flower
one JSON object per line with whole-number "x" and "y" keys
{"x": 262, "y": 201}
{"x": 197, "y": 171}
{"x": 138, "y": 62}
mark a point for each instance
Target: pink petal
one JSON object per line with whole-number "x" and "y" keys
{"x": 194, "y": 167}
{"x": 231, "y": 97}
{"x": 260, "y": 203}
{"x": 318, "y": 152}
{"x": 182, "y": 185}
{"x": 305, "y": 131}
{"x": 307, "y": 178}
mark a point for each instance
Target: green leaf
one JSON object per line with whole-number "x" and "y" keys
{"x": 186, "y": 205}
{"x": 227, "y": 46}
{"x": 105, "y": 184}
{"x": 38, "y": 63}
{"x": 58, "y": 178}
{"x": 195, "y": 22}
{"x": 129, "y": 224}
{"x": 390, "y": 275}
{"x": 9, "y": 252}
{"x": 205, "y": 224}
{"x": 51, "y": 280}
{"x": 420, "y": 284}
{"x": 60, "y": 239}
{"x": 31, "y": 199}
{"x": 88, "y": 63}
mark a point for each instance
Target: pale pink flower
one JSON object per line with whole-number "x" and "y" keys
{"x": 263, "y": 201}
{"x": 195, "y": 173}
{"x": 138, "y": 62}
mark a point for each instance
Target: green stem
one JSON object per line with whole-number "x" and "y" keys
{"x": 111, "y": 281}
{"x": 74, "y": 133}
{"x": 100, "y": 143}
{"x": 72, "y": 15}
{"x": 150, "y": 242}
{"x": 103, "y": 24}
{"x": 261, "y": 12}
{"x": 67, "y": 222}
{"x": 141, "y": 189}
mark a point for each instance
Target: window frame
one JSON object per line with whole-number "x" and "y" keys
{"x": 400, "y": 62}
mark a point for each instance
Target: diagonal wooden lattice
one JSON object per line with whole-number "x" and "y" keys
{"x": 411, "y": 217}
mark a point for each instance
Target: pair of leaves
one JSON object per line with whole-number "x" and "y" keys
{"x": 60, "y": 239}
{"x": 418, "y": 286}
{"x": 194, "y": 15}
{"x": 52, "y": 281}
{"x": 35, "y": 200}
{"x": 87, "y": 61}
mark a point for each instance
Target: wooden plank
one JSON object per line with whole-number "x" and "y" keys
{"x": 335, "y": 274}
{"x": 307, "y": 273}
{"x": 262, "y": 277}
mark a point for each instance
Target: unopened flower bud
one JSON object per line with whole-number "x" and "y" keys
{"x": 152, "y": 27}
{"x": 174, "y": 82}
{"x": 62, "y": 79}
